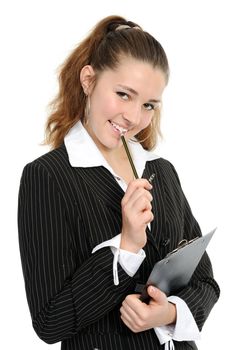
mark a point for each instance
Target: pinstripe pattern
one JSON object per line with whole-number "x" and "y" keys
{"x": 63, "y": 213}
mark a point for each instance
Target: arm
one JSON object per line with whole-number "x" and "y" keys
{"x": 63, "y": 298}
{"x": 202, "y": 291}
{"x": 130, "y": 262}
{"x": 185, "y": 327}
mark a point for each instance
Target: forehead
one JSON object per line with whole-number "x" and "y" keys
{"x": 139, "y": 75}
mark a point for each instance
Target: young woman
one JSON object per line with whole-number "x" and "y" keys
{"x": 89, "y": 232}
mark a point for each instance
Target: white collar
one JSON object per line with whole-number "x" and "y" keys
{"x": 83, "y": 152}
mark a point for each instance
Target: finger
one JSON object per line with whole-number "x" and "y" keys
{"x": 128, "y": 312}
{"x": 130, "y": 319}
{"x": 127, "y": 323}
{"x": 147, "y": 216}
{"x": 138, "y": 201}
{"x": 127, "y": 309}
{"x": 140, "y": 193}
{"x": 137, "y": 207}
{"x": 157, "y": 295}
{"x": 133, "y": 304}
{"x": 133, "y": 185}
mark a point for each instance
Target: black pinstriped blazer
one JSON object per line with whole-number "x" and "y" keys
{"x": 63, "y": 213}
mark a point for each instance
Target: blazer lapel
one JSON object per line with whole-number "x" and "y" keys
{"x": 103, "y": 183}
{"x": 151, "y": 237}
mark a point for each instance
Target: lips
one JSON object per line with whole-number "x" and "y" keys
{"x": 119, "y": 128}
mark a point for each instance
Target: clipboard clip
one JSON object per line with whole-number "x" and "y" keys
{"x": 183, "y": 243}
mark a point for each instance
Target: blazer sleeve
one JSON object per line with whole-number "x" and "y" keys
{"x": 62, "y": 297}
{"x": 202, "y": 291}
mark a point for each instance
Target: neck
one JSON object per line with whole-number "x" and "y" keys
{"x": 119, "y": 162}
{"x": 116, "y": 155}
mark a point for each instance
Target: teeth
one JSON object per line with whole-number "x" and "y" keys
{"x": 119, "y": 128}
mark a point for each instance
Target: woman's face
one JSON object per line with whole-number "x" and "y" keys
{"x": 123, "y": 99}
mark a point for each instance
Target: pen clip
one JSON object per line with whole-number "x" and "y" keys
{"x": 151, "y": 178}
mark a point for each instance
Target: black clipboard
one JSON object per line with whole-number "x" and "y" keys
{"x": 175, "y": 270}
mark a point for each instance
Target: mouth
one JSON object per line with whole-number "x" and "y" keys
{"x": 121, "y": 130}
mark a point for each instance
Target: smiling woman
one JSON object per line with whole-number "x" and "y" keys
{"x": 89, "y": 232}
{"x": 109, "y": 44}
{"x": 123, "y": 99}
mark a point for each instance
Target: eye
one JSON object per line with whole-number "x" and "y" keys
{"x": 123, "y": 95}
{"x": 151, "y": 106}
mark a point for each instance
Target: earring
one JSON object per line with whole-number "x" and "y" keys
{"x": 87, "y": 109}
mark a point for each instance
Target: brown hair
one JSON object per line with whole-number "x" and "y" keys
{"x": 102, "y": 49}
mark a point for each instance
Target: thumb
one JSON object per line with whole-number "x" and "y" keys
{"x": 157, "y": 295}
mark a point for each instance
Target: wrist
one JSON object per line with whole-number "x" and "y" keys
{"x": 171, "y": 313}
{"x": 130, "y": 246}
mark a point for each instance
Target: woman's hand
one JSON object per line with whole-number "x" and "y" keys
{"x": 139, "y": 316}
{"x": 136, "y": 214}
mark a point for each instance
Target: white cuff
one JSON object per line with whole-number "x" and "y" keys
{"x": 113, "y": 242}
{"x": 185, "y": 327}
{"x": 130, "y": 262}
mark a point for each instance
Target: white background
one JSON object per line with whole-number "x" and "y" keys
{"x": 36, "y": 37}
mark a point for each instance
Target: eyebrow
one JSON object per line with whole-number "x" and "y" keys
{"x": 135, "y": 92}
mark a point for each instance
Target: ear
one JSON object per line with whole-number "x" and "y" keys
{"x": 87, "y": 75}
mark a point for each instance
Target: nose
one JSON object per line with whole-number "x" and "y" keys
{"x": 133, "y": 114}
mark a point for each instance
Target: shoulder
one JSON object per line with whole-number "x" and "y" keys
{"x": 164, "y": 168}
{"x": 50, "y": 163}
{"x": 53, "y": 158}
{"x": 50, "y": 160}
{"x": 51, "y": 174}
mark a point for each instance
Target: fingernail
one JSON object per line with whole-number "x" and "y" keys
{"x": 153, "y": 289}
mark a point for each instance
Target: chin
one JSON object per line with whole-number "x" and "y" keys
{"x": 113, "y": 146}
{"x": 112, "y": 143}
